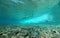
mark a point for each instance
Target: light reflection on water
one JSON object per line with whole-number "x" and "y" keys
{"x": 44, "y": 18}
{"x": 47, "y": 17}
{"x": 40, "y": 19}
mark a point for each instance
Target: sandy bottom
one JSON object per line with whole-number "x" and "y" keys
{"x": 13, "y": 31}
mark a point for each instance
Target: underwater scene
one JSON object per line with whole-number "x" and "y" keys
{"x": 29, "y": 18}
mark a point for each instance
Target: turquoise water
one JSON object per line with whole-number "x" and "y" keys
{"x": 29, "y": 12}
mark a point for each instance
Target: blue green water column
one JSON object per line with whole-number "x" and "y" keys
{"x": 29, "y": 11}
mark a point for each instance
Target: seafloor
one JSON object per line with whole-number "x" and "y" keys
{"x": 36, "y": 31}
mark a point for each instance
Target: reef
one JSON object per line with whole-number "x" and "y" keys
{"x": 18, "y": 31}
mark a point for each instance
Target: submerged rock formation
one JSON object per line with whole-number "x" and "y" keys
{"x": 21, "y": 31}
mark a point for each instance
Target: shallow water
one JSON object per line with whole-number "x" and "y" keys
{"x": 29, "y": 12}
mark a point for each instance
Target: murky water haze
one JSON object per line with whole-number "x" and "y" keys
{"x": 29, "y": 12}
